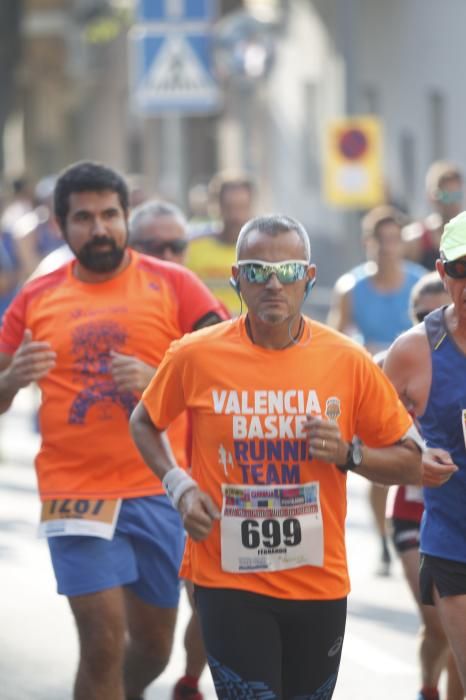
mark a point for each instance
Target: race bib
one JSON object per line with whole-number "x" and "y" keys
{"x": 79, "y": 516}
{"x": 271, "y": 528}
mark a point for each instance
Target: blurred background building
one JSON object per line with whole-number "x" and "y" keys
{"x": 285, "y": 68}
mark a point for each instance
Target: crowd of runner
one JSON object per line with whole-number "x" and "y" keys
{"x": 194, "y": 428}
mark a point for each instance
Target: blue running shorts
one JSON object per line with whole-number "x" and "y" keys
{"x": 144, "y": 555}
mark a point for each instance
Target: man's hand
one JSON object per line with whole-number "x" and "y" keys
{"x": 198, "y": 512}
{"x": 437, "y": 467}
{"x": 130, "y": 373}
{"x": 32, "y": 360}
{"x": 325, "y": 441}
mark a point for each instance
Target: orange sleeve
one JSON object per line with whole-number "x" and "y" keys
{"x": 196, "y": 301}
{"x": 13, "y": 325}
{"x": 382, "y": 419}
{"x": 164, "y": 398}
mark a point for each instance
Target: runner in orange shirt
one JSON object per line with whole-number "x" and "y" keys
{"x": 92, "y": 334}
{"x": 276, "y": 400}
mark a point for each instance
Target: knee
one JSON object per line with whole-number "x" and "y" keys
{"x": 102, "y": 648}
{"x": 157, "y": 650}
{"x": 432, "y": 631}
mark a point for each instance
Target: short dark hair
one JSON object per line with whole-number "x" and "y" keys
{"x": 379, "y": 216}
{"x": 430, "y": 283}
{"x": 86, "y": 176}
{"x": 229, "y": 180}
{"x": 272, "y": 225}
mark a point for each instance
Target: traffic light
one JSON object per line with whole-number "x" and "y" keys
{"x": 353, "y": 175}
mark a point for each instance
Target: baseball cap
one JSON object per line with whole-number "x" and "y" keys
{"x": 453, "y": 240}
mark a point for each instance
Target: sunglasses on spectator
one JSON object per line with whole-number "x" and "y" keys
{"x": 455, "y": 268}
{"x": 421, "y": 314}
{"x": 260, "y": 271}
{"x": 449, "y": 196}
{"x": 176, "y": 246}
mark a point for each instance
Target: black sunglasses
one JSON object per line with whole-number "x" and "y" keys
{"x": 420, "y": 315}
{"x": 455, "y": 268}
{"x": 176, "y": 246}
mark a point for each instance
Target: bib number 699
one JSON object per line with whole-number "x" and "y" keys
{"x": 270, "y": 533}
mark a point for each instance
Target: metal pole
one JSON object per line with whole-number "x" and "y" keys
{"x": 173, "y": 180}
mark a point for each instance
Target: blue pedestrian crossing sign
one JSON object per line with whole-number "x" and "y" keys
{"x": 172, "y": 71}
{"x": 176, "y": 10}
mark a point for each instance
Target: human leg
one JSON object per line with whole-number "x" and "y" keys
{"x": 433, "y": 644}
{"x": 378, "y": 502}
{"x": 312, "y": 639}
{"x": 455, "y": 689}
{"x": 101, "y": 624}
{"x": 452, "y": 611}
{"x": 195, "y": 653}
{"x": 187, "y": 686}
{"x": 90, "y": 572}
{"x": 157, "y": 538}
{"x": 144, "y": 556}
{"x": 443, "y": 583}
{"x": 151, "y": 631}
{"x": 242, "y": 641}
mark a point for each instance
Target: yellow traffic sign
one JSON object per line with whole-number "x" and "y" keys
{"x": 353, "y": 173}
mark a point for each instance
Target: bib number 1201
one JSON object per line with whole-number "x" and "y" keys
{"x": 273, "y": 533}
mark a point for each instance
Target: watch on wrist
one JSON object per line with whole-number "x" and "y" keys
{"x": 354, "y": 456}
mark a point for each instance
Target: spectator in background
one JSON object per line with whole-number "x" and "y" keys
{"x": 36, "y": 233}
{"x": 212, "y": 253}
{"x": 137, "y": 189}
{"x": 198, "y": 204}
{"x": 20, "y": 203}
{"x": 371, "y": 302}
{"x": 445, "y": 191}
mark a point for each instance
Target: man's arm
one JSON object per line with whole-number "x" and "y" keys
{"x": 395, "y": 464}
{"x": 32, "y": 360}
{"x": 210, "y": 319}
{"x": 195, "y": 507}
{"x": 408, "y": 365}
{"x": 340, "y": 314}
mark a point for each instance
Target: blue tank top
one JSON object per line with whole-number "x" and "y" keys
{"x": 443, "y": 529}
{"x": 381, "y": 316}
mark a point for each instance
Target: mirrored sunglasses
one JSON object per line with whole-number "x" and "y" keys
{"x": 260, "y": 271}
{"x": 455, "y": 268}
{"x": 176, "y": 246}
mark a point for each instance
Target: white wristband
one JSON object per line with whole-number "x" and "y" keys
{"x": 176, "y": 482}
{"x": 413, "y": 434}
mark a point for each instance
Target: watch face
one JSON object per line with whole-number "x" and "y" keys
{"x": 357, "y": 452}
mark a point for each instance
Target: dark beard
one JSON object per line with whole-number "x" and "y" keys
{"x": 96, "y": 260}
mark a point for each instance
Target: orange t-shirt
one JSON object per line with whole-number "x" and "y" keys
{"x": 86, "y": 446}
{"x": 248, "y": 405}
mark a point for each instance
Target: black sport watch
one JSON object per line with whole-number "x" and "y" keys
{"x": 354, "y": 456}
